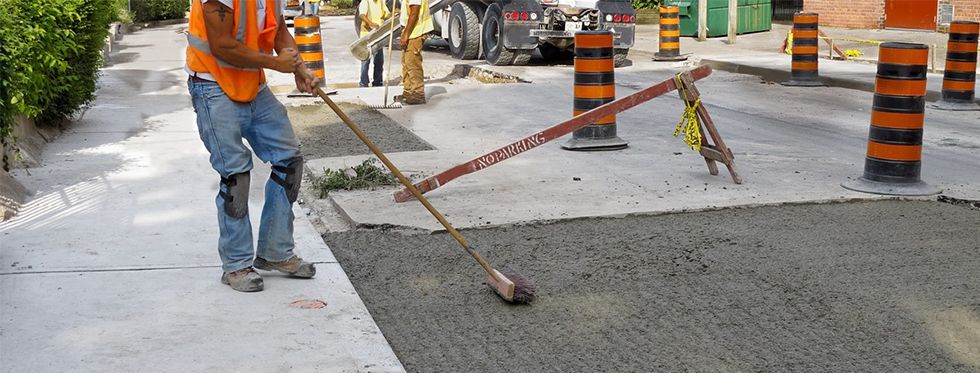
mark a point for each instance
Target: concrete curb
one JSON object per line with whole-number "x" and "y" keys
{"x": 779, "y": 75}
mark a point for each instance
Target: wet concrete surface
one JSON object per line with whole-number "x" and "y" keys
{"x": 864, "y": 286}
{"x": 322, "y": 134}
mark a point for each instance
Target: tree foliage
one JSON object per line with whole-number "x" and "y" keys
{"x": 49, "y": 57}
{"x": 155, "y": 10}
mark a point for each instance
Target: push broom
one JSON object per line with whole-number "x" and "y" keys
{"x": 509, "y": 285}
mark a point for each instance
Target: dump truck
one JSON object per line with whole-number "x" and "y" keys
{"x": 506, "y": 32}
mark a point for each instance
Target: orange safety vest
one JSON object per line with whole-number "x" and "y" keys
{"x": 241, "y": 84}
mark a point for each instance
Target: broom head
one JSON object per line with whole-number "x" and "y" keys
{"x": 511, "y": 286}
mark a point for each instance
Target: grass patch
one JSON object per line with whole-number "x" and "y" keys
{"x": 363, "y": 176}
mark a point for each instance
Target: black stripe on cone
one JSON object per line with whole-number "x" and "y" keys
{"x": 894, "y": 154}
{"x": 804, "y": 65}
{"x": 959, "y": 82}
{"x": 594, "y": 137}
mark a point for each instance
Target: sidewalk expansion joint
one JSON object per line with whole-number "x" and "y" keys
{"x": 122, "y": 269}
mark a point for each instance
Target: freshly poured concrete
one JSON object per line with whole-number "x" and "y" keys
{"x": 871, "y": 286}
{"x": 113, "y": 266}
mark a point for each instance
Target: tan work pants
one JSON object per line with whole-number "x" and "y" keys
{"x": 412, "y": 75}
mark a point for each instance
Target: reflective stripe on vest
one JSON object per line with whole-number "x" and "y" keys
{"x": 240, "y": 84}
{"x": 424, "y": 24}
{"x": 376, "y": 13}
{"x": 202, "y": 46}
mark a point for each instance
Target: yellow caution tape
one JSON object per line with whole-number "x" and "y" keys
{"x": 689, "y": 123}
{"x": 789, "y": 42}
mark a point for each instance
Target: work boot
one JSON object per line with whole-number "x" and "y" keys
{"x": 294, "y": 266}
{"x": 409, "y": 100}
{"x": 245, "y": 279}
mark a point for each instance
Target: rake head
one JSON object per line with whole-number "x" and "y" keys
{"x": 393, "y": 105}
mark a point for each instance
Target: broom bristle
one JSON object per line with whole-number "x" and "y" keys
{"x": 523, "y": 289}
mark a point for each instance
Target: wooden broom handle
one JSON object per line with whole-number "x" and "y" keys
{"x": 398, "y": 174}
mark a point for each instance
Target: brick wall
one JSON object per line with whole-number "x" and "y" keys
{"x": 850, "y": 13}
{"x": 871, "y": 13}
{"x": 967, "y": 10}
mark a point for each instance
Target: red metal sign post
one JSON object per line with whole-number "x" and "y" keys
{"x": 551, "y": 133}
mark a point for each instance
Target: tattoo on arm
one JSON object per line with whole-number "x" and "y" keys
{"x": 221, "y": 11}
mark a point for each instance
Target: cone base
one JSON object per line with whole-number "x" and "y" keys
{"x": 585, "y": 144}
{"x": 803, "y": 83}
{"x": 955, "y": 105}
{"x": 658, "y": 57}
{"x": 918, "y": 188}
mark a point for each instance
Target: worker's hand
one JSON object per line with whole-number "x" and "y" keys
{"x": 307, "y": 84}
{"x": 403, "y": 42}
{"x": 371, "y": 25}
{"x": 287, "y": 61}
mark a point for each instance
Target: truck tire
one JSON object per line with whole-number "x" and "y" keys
{"x": 493, "y": 38}
{"x": 619, "y": 57}
{"x": 549, "y": 52}
{"x": 464, "y": 31}
{"x": 522, "y": 57}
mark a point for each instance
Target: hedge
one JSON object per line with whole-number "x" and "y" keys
{"x": 49, "y": 57}
{"x": 647, "y": 4}
{"x": 155, "y": 10}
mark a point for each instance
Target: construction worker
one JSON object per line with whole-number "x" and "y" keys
{"x": 372, "y": 13}
{"x": 418, "y": 23}
{"x": 314, "y": 7}
{"x": 230, "y": 42}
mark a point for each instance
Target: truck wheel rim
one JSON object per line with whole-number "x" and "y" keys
{"x": 494, "y": 35}
{"x": 455, "y": 32}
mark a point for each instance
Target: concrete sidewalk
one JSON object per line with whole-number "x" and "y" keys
{"x": 758, "y": 54}
{"x": 791, "y": 146}
{"x": 112, "y": 266}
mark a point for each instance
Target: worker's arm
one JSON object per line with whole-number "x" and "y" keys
{"x": 367, "y": 21}
{"x": 286, "y": 43}
{"x": 219, "y": 21}
{"x": 413, "y": 18}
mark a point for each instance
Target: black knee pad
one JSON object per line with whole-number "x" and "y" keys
{"x": 236, "y": 194}
{"x": 294, "y": 176}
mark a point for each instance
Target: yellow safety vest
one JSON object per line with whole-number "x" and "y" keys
{"x": 424, "y": 25}
{"x": 377, "y": 11}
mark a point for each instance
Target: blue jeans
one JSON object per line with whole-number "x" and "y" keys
{"x": 222, "y": 124}
{"x": 379, "y": 59}
{"x": 314, "y": 8}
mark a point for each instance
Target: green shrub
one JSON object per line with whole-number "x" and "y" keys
{"x": 343, "y": 4}
{"x": 365, "y": 175}
{"x": 155, "y": 10}
{"x": 50, "y": 53}
{"x": 123, "y": 15}
{"x": 646, "y": 4}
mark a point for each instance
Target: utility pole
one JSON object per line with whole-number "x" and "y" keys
{"x": 732, "y": 21}
{"x": 702, "y": 20}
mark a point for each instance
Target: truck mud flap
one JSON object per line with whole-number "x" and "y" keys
{"x": 517, "y": 34}
{"x": 624, "y": 32}
{"x": 624, "y": 36}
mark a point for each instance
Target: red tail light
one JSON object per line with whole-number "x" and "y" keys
{"x": 524, "y": 15}
{"x": 617, "y": 18}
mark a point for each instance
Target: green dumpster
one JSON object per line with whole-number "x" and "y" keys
{"x": 753, "y": 16}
